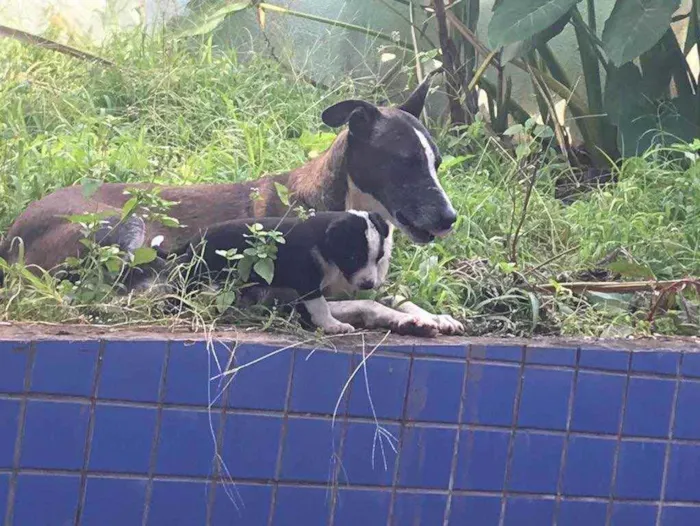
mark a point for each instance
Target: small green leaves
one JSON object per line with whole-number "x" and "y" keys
{"x": 143, "y": 255}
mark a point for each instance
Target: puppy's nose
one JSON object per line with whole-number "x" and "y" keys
{"x": 366, "y": 284}
{"x": 447, "y": 219}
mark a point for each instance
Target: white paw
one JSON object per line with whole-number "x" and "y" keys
{"x": 448, "y": 325}
{"x": 338, "y": 327}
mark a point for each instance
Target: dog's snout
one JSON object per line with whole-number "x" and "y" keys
{"x": 447, "y": 219}
{"x": 366, "y": 284}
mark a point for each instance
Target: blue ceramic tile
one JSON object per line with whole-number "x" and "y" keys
{"x": 589, "y": 466}
{"x": 387, "y": 378}
{"x": 318, "y": 381}
{"x": 251, "y": 444}
{"x": 582, "y": 513}
{"x": 691, "y": 364}
{"x": 683, "y": 482}
{"x": 523, "y": 511}
{"x": 436, "y": 391}
{"x": 544, "y": 402}
{"x": 450, "y": 351}
{"x": 605, "y": 359}
{"x": 687, "y": 423}
{"x": 62, "y": 367}
{"x": 113, "y": 502}
{"x": 640, "y": 470}
{"x": 405, "y": 350}
{"x": 658, "y": 362}
{"x": 645, "y": 397}
{"x": 176, "y": 503}
{"x": 244, "y": 504}
{"x": 490, "y": 394}
{"x": 369, "y": 508}
{"x": 598, "y": 402}
{"x": 191, "y": 371}
{"x": 131, "y": 370}
{"x": 418, "y": 509}
{"x": 262, "y": 385}
{"x": 9, "y": 420}
{"x": 426, "y": 457}
{"x": 633, "y": 515}
{"x": 122, "y": 439}
{"x": 536, "y": 461}
{"x": 503, "y": 353}
{"x": 13, "y": 357}
{"x": 296, "y": 505}
{"x": 550, "y": 356}
{"x": 186, "y": 445}
{"x": 482, "y": 511}
{"x": 46, "y": 500}
{"x": 680, "y": 515}
{"x": 54, "y": 435}
{"x": 481, "y": 464}
{"x": 309, "y": 449}
{"x": 368, "y": 454}
{"x": 4, "y": 488}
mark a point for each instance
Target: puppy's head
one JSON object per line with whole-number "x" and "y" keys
{"x": 359, "y": 244}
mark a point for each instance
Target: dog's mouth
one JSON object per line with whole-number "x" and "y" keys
{"x": 417, "y": 234}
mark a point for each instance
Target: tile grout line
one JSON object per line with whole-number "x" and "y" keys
{"x": 667, "y": 452}
{"x": 458, "y": 433}
{"x": 399, "y": 445}
{"x": 283, "y": 437}
{"x": 343, "y": 435}
{"x": 511, "y": 441}
{"x": 19, "y": 439}
{"x": 567, "y": 438}
{"x": 82, "y": 488}
{"x": 618, "y": 445}
{"x": 156, "y": 434}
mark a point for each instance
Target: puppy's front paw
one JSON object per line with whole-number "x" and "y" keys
{"x": 338, "y": 328}
{"x": 448, "y": 325}
{"x": 414, "y": 326}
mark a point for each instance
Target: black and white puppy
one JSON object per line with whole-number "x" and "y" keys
{"x": 328, "y": 253}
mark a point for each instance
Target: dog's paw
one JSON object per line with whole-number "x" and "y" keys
{"x": 338, "y": 328}
{"x": 415, "y": 326}
{"x": 448, "y": 325}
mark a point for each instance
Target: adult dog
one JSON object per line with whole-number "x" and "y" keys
{"x": 384, "y": 162}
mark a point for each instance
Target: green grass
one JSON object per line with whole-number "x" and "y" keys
{"x": 168, "y": 113}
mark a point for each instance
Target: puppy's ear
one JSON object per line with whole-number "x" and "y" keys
{"x": 360, "y": 115}
{"x": 379, "y": 223}
{"x": 416, "y": 100}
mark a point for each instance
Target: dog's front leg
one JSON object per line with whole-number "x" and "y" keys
{"x": 446, "y": 324}
{"x": 322, "y": 317}
{"x": 372, "y": 315}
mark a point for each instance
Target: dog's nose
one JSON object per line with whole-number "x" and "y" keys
{"x": 447, "y": 219}
{"x": 366, "y": 284}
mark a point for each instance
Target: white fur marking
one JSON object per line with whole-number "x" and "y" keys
{"x": 370, "y": 271}
{"x": 430, "y": 155}
{"x": 156, "y": 241}
{"x": 321, "y": 316}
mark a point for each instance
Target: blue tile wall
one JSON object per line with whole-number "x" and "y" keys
{"x": 121, "y": 432}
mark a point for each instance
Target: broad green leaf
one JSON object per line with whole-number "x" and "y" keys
{"x": 224, "y": 300}
{"x": 89, "y": 187}
{"x": 629, "y": 269}
{"x": 522, "y": 48}
{"x": 245, "y": 265}
{"x": 113, "y": 265}
{"x": 129, "y": 207}
{"x": 635, "y": 26}
{"x": 143, "y": 255}
{"x": 623, "y": 90}
{"x": 265, "y": 268}
{"x": 516, "y": 20}
{"x": 282, "y": 193}
{"x": 214, "y": 20}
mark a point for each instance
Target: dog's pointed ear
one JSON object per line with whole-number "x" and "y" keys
{"x": 416, "y": 101}
{"x": 359, "y": 114}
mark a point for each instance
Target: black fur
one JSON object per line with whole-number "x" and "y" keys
{"x": 339, "y": 237}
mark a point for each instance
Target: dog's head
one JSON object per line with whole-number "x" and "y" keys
{"x": 359, "y": 244}
{"x": 392, "y": 162}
